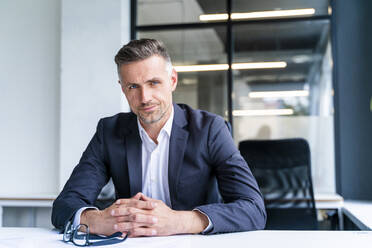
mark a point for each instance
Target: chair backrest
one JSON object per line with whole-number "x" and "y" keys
{"x": 282, "y": 169}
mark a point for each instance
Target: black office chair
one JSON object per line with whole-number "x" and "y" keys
{"x": 283, "y": 172}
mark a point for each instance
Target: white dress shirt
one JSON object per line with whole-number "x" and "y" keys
{"x": 155, "y": 158}
{"x": 155, "y": 162}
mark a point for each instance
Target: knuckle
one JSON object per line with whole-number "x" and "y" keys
{"x": 130, "y": 210}
{"x": 135, "y": 217}
{"x": 134, "y": 232}
{"x": 129, "y": 225}
{"x": 120, "y": 227}
{"x": 151, "y": 232}
{"x": 137, "y": 204}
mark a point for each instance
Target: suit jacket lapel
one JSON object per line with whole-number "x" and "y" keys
{"x": 177, "y": 146}
{"x": 133, "y": 147}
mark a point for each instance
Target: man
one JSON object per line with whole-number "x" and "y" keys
{"x": 164, "y": 160}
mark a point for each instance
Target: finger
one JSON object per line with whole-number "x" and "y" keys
{"x": 138, "y": 196}
{"x": 122, "y": 219}
{"x": 142, "y": 231}
{"x": 127, "y": 200}
{"x": 143, "y": 218}
{"x": 126, "y": 226}
{"x": 123, "y": 211}
{"x": 146, "y": 220}
{"x": 142, "y": 204}
{"x": 122, "y": 201}
{"x": 146, "y": 198}
{"x": 136, "y": 203}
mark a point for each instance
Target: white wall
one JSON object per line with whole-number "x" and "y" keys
{"x": 57, "y": 78}
{"x": 92, "y": 34}
{"x": 29, "y": 96}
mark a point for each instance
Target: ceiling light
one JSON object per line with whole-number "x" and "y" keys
{"x": 259, "y": 65}
{"x": 213, "y": 17}
{"x": 278, "y": 94}
{"x": 212, "y": 67}
{"x": 235, "y": 66}
{"x": 262, "y": 112}
{"x": 259, "y": 14}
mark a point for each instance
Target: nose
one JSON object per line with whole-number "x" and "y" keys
{"x": 145, "y": 95}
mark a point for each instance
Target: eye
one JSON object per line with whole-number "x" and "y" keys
{"x": 132, "y": 86}
{"x": 153, "y": 83}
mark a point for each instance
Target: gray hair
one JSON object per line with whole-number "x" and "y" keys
{"x": 137, "y": 50}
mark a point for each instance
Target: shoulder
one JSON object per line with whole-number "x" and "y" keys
{"x": 118, "y": 123}
{"x": 120, "y": 117}
{"x": 197, "y": 119}
{"x": 193, "y": 115}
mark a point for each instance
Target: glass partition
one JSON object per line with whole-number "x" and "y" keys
{"x": 200, "y": 88}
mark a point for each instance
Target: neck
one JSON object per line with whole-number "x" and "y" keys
{"x": 153, "y": 129}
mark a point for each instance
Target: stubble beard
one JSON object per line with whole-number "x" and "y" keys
{"x": 153, "y": 117}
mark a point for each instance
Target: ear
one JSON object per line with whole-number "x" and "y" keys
{"x": 121, "y": 86}
{"x": 174, "y": 79}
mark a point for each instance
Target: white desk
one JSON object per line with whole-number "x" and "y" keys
{"x": 331, "y": 201}
{"x": 322, "y": 201}
{"x": 328, "y": 201}
{"x": 38, "y": 237}
{"x": 359, "y": 212}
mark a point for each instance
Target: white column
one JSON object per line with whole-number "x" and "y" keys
{"x": 92, "y": 34}
{"x": 29, "y": 96}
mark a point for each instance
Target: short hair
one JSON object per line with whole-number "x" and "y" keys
{"x": 137, "y": 50}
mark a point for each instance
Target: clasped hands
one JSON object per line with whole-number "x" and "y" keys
{"x": 143, "y": 216}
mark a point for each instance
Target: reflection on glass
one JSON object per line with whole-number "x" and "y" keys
{"x": 202, "y": 89}
{"x": 301, "y": 47}
{"x": 180, "y": 11}
{"x": 288, "y": 102}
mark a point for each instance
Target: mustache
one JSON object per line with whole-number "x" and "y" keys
{"x": 149, "y": 104}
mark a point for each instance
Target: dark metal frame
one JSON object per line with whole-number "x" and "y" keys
{"x": 230, "y": 38}
{"x": 336, "y": 100}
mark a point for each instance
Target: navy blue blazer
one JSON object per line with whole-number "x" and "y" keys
{"x": 204, "y": 165}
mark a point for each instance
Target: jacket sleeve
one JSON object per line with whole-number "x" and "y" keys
{"x": 243, "y": 208}
{"x": 85, "y": 182}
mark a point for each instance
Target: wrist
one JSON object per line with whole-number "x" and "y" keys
{"x": 192, "y": 222}
{"x": 200, "y": 221}
{"x": 89, "y": 217}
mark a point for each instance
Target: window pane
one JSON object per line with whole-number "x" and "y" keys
{"x": 293, "y": 100}
{"x": 152, "y": 12}
{"x": 205, "y": 90}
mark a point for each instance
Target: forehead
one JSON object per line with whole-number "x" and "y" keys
{"x": 144, "y": 70}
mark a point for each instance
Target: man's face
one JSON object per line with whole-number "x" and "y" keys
{"x": 148, "y": 87}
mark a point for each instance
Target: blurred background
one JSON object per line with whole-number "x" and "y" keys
{"x": 274, "y": 69}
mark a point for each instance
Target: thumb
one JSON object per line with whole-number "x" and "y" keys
{"x": 145, "y": 198}
{"x": 138, "y": 196}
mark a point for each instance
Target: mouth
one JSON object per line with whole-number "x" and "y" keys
{"x": 149, "y": 108}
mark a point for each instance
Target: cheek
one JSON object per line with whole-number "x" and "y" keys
{"x": 131, "y": 98}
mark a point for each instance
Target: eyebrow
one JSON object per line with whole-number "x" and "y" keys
{"x": 153, "y": 79}
{"x": 149, "y": 80}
